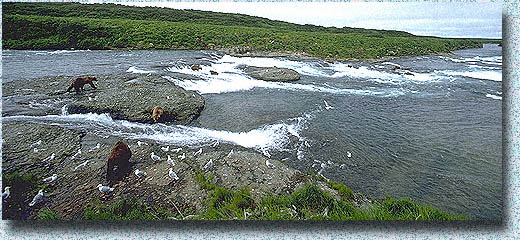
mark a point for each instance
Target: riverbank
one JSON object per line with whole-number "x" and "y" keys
{"x": 94, "y": 26}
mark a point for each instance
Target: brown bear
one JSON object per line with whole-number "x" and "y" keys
{"x": 157, "y": 113}
{"x": 119, "y": 159}
{"x": 80, "y": 82}
{"x": 196, "y": 67}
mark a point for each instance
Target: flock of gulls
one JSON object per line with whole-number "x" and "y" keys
{"x": 155, "y": 158}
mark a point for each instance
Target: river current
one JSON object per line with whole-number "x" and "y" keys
{"x": 434, "y": 135}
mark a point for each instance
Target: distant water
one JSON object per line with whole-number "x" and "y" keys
{"x": 434, "y": 136}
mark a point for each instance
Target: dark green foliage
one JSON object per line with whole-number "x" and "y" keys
{"x": 344, "y": 192}
{"x": 23, "y": 188}
{"x": 107, "y": 26}
{"x": 123, "y": 209}
{"x": 48, "y": 214}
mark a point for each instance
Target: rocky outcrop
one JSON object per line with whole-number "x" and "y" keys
{"x": 134, "y": 97}
{"x": 274, "y": 74}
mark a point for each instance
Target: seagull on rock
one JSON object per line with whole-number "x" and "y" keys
{"x": 36, "y": 150}
{"x": 209, "y": 164}
{"x": 81, "y": 166}
{"x": 170, "y": 161}
{"x": 104, "y": 189}
{"x": 51, "y": 178}
{"x": 140, "y": 173}
{"x": 36, "y": 144}
{"x": 198, "y": 152}
{"x": 166, "y": 149}
{"x": 230, "y": 153}
{"x": 77, "y": 154}
{"x": 182, "y": 157}
{"x": 172, "y": 174}
{"x": 51, "y": 157}
{"x": 327, "y": 106}
{"x": 36, "y": 199}
{"x": 269, "y": 164}
{"x": 177, "y": 150}
{"x": 6, "y": 193}
{"x": 349, "y": 154}
{"x": 98, "y": 146}
{"x": 154, "y": 157}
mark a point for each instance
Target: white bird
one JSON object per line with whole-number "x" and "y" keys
{"x": 6, "y": 193}
{"x": 182, "y": 157}
{"x": 323, "y": 165}
{"x": 209, "y": 164}
{"x": 104, "y": 189}
{"x": 36, "y": 144}
{"x": 327, "y": 106}
{"x": 98, "y": 146}
{"x": 140, "y": 173}
{"x": 230, "y": 153}
{"x": 36, "y": 199}
{"x": 166, "y": 149}
{"x": 266, "y": 153}
{"x": 36, "y": 150}
{"x": 139, "y": 143}
{"x": 81, "y": 166}
{"x": 155, "y": 157}
{"x": 51, "y": 178}
{"x": 77, "y": 154}
{"x": 215, "y": 144}
{"x": 342, "y": 166}
{"x": 51, "y": 157}
{"x": 172, "y": 174}
{"x": 170, "y": 161}
{"x": 177, "y": 150}
{"x": 349, "y": 154}
{"x": 269, "y": 164}
{"x": 198, "y": 152}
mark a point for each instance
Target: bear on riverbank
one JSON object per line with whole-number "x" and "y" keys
{"x": 80, "y": 82}
{"x": 118, "y": 163}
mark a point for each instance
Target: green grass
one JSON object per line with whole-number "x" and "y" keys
{"x": 123, "y": 209}
{"x": 309, "y": 203}
{"x": 48, "y": 214}
{"x": 80, "y": 26}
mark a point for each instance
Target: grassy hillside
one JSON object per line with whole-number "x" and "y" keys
{"x": 109, "y": 26}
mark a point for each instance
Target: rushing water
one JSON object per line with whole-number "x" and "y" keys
{"x": 434, "y": 136}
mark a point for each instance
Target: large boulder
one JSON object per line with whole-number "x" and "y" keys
{"x": 134, "y": 97}
{"x": 274, "y": 74}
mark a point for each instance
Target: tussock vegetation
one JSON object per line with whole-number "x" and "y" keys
{"x": 109, "y": 26}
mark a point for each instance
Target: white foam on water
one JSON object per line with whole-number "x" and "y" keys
{"x": 363, "y": 72}
{"x": 59, "y": 52}
{"x": 494, "y": 96}
{"x": 484, "y": 75}
{"x": 231, "y": 79}
{"x": 494, "y": 60}
{"x": 133, "y": 69}
{"x": 272, "y": 137}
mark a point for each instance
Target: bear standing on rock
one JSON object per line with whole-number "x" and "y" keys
{"x": 119, "y": 159}
{"x": 80, "y": 82}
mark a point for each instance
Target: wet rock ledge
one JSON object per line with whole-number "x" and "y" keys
{"x": 132, "y": 97}
{"x": 274, "y": 74}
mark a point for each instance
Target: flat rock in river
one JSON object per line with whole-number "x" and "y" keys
{"x": 274, "y": 74}
{"x": 132, "y": 98}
